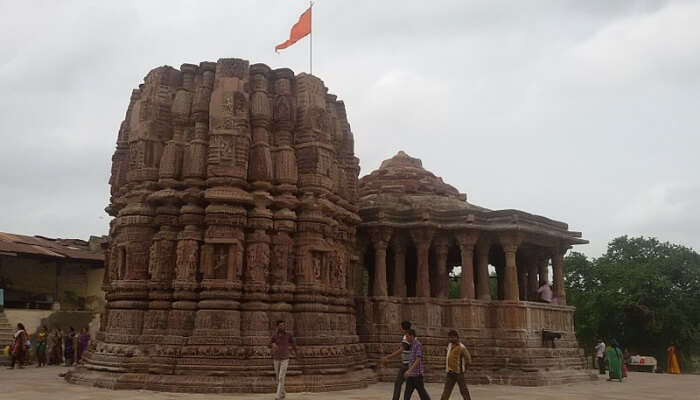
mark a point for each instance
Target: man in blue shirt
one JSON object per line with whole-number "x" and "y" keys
{"x": 416, "y": 368}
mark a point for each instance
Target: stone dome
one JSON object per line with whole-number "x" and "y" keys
{"x": 402, "y": 182}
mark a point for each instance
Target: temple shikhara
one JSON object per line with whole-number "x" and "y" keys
{"x": 236, "y": 203}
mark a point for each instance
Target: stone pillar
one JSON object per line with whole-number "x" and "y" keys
{"x": 532, "y": 284}
{"x": 522, "y": 263}
{"x": 466, "y": 241}
{"x": 542, "y": 268}
{"x": 359, "y": 272}
{"x": 380, "y": 240}
{"x": 422, "y": 237}
{"x": 442, "y": 247}
{"x": 558, "y": 274}
{"x": 510, "y": 271}
{"x": 482, "y": 272}
{"x": 398, "y": 245}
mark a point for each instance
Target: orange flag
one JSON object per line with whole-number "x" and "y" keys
{"x": 299, "y": 30}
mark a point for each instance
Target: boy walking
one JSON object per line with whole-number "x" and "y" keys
{"x": 404, "y": 350}
{"x": 415, "y": 371}
{"x": 281, "y": 341}
{"x": 456, "y": 362}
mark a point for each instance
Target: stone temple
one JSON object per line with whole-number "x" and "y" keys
{"x": 236, "y": 203}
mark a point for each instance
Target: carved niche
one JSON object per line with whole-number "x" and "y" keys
{"x": 187, "y": 260}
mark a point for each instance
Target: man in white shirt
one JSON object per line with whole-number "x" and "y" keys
{"x": 545, "y": 293}
{"x": 404, "y": 350}
{"x": 599, "y": 355}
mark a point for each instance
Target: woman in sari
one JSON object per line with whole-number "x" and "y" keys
{"x": 55, "y": 348}
{"x": 672, "y": 360}
{"x": 83, "y": 341}
{"x": 18, "y": 349}
{"x": 68, "y": 340}
{"x": 614, "y": 357}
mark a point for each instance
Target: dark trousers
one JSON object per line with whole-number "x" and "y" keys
{"x": 398, "y": 382}
{"x": 450, "y": 381}
{"x": 601, "y": 366}
{"x": 415, "y": 382}
{"x": 17, "y": 359}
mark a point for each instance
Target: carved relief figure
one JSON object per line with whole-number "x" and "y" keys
{"x": 187, "y": 260}
{"x": 258, "y": 261}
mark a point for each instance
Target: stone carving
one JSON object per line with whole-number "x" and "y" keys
{"x": 187, "y": 260}
{"x": 211, "y": 212}
{"x": 236, "y": 203}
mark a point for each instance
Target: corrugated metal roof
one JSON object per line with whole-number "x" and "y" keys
{"x": 75, "y": 249}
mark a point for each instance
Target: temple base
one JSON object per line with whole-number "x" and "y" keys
{"x": 512, "y": 343}
{"x": 220, "y": 384}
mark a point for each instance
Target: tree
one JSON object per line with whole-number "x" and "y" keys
{"x": 642, "y": 292}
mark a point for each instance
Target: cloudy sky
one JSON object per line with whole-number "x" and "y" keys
{"x": 582, "y": 111}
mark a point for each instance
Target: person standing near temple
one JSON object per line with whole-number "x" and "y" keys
{"x": 83, "y": 341}
{"x": 69, "y": 346}
{"x": 56, "y": 347}
{"x": 416, "y": 369}
{"x": 404, "y": 350}
{"x": 456, "y": 362}
{"x": 42, "y": 343}
{"x": 600, "y": 355}
{"x": 672, "y": 361}
{"x": 614, "y": 357}
{"x": 281, "y": 342}
{"x": 544, "y": 293}
{"x": 18, "y": 350}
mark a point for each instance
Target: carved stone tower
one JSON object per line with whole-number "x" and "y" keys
{"x": 234, "y": 193}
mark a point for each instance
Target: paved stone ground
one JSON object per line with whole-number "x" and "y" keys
{"x": 33, "y": 383}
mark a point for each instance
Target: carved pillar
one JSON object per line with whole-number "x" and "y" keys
{"x": 380, "y": 240}
{"x": 482, "y": 271}
{"x": 466, "y": 241}
{"x": 285, "y": 180}
{"x": 422, "y": 237}
{"x": 532, "y": 284}
{"x": 558, "y": 274}
{"x": 398, "y": 245}
{"x": 360, "y": 268}
{"x": 522, "y": 263}
{"x": 442, "y": 246}
{"x": 510, "y": 244}
{"x": 542, "y": 268}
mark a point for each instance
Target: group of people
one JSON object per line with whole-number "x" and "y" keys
{"x": 49, "y": 348}
{"x": 617, "y": 360}
{"x": 411, "y": 370}
{"x": 412, "y": 367}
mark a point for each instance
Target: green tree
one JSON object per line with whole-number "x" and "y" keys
{"x": 642, "y": 292}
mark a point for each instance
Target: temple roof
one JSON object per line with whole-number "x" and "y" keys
{"x": 401, "y": 193}
{"x": 401, "y": 182}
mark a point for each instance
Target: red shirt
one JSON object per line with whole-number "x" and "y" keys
{"x": 283, "y": 342}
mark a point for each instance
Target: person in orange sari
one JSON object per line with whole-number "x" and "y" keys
{"x": 672, "y": 363}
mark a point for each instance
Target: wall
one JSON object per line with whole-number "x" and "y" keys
{"x": 34, "y": 319}
{"x": 66, "y": 282}
{"x": 31, "y": 319}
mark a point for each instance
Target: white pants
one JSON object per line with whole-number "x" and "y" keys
{"x": 280, "y": 374}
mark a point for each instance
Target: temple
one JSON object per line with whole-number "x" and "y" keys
{"x": 236, "y": 203}
{"x": 415, "y": 230}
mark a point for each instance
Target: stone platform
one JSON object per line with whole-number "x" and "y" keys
{"x": 46, "y": 384}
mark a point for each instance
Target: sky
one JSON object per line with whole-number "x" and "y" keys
{"x": 585, "y": 112}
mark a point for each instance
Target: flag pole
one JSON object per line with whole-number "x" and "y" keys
{"x": 311, "y": 39}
